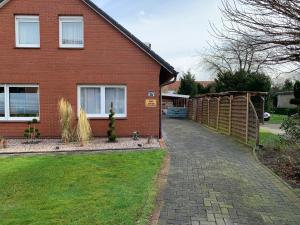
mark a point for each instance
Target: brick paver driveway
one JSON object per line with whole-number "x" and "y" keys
{"x": 215, "y": 180}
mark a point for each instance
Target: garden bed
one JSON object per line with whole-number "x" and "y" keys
{"x": 56, "y": 145}
{"x": 281, "y": 157}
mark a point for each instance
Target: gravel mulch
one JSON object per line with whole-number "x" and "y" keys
{"x": 97, "y": 144}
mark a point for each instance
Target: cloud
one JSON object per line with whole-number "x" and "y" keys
{"x": 142, "y": 13}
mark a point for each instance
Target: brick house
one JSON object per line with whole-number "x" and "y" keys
{"x": 72, "y": 49}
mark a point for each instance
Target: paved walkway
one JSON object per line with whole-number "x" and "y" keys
{"x": 272, "y": 128}
{"x": 215, "y": 180}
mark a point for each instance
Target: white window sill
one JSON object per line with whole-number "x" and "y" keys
{"x": 19, "y": 119}
{"x": 71, "y": 46}
{"x": 105, "y": 117}
{"x": 28, "y": 46}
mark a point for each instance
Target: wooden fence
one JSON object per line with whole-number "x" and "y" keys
{"x": 232, "y": 113}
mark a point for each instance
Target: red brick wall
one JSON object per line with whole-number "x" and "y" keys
{"x": 108, "y": 58}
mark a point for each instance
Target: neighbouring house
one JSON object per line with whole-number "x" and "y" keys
{"x": 174, "y": 87}
{"x": 284, "y": 98}
{"x": 73, "y": 49}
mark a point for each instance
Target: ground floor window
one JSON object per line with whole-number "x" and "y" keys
{"x": 19, "y": 102}
{"x": 96, "y": 100}
{"x": 2, "y": 100}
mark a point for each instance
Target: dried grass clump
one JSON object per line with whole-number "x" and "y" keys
{"x": 66, "y": 119}
{"x": 84, "y": 131}
{"x": 2, "y": 142}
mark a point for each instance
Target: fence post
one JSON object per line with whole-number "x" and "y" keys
{"x": 208, "y": 111}
{"x": 230, "y": 113}
{"x": 247, "y": 117}
{"x": 218, "y": 113}
{"x": 257, "y": 132}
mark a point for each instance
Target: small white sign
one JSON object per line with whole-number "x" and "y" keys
{"x": 151, "y": 94}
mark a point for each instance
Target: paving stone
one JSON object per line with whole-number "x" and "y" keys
{"x": 214, "y": 180}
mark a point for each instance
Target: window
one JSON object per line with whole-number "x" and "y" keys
{"x": 117, "y": 97}
{"x": 71, "y": 32}
{"x": 27, "y": 31}
{"x": 96, "y": 100}
{"x": 19, "y": 102}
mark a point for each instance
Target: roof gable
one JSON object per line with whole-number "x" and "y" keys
{"x": 126, "y": 33}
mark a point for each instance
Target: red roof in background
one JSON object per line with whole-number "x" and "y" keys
{"x": 175, "y": 86}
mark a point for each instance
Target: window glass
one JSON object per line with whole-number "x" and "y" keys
{"x": 24, "y": 102}
{"x": 28, "y": 32}
{"x": 91, "y": 100}
{"x": 117, "y": 97}
{"x": 2, "y": 98}
{"x": 71, "y": 32}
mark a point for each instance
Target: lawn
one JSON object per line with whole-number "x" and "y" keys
{"x": 270, "y": 140}
{"x": 277, "y": 119}
{"x": 112, "y": 188}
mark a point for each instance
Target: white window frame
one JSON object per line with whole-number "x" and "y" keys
{"x": 7, "y": 116}
{"x": 32, "y": 19}
{"x": 70, "y": 19}
{"x": 3, "y": 118}
{"x": 102, "y": 115}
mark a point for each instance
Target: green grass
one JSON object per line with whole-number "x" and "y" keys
{"x": 112, "y": 188}
{"x": 270, "y": 140}
{"x": 277, "y": 119}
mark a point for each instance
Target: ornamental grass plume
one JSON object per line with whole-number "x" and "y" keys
{"x": 84, "y": 131}
{"x": 66, "y": 120}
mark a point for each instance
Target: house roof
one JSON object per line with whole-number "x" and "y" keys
{"x": 175, "y": 86}
{"x": 171, "y": 95}
{"x": 125, "y": 32}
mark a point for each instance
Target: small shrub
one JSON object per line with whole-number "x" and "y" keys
{"x": 135, "y": 135}
{"x": 2, "y": 143}
{"x": 84, "y": 131}
{"x": 111, "y": 133}
{"x": 66, "y": 119}
{"x": 291, "y": 127}
{"x": 31, "y": 133}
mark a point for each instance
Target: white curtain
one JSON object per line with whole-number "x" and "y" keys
{"x": 2, "y": 113}
{"x": 117, "y": 97}
{"x": 24, "y": 102}
{"x": 29, "y": 33}
{"x": 72, "y": 33}
{"x": 91, "y": 100}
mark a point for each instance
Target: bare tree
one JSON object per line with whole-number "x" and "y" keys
{"x": 271, "y": 25}
{"x": 235, "y": 55}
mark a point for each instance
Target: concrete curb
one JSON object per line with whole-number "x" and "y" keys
{"x": 161, "y": 185}
{"x": 76, "y": 152}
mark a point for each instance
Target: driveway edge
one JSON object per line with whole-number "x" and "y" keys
{"x": 282, "y": 181}
{"x": 161, "y": 184}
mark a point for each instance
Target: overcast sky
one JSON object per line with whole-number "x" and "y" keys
{"x": 177, "y": 29}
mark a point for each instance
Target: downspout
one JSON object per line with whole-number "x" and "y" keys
{"x": 170, "y": 82}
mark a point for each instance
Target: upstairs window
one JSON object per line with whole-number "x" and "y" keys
{"x": 71, "y": 32}
{"x": 27, "y": 31}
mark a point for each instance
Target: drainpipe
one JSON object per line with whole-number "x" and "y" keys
{"x": 172, "y": 81}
